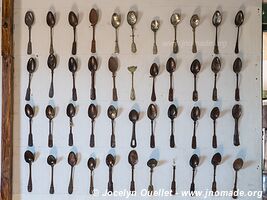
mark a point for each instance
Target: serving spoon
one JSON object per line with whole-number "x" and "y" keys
{"x": 236, "y": 113}
{"x": 113, "y": 67}
{"x": 71, "y": 111}
{"x": 195, "y": 68}
{"x": 172, "y": 114}
{"x": 116, "y": 22}
{"x": 73, "y": 21}
{"x": 110, "y": 161}
{"x": 72, "y": 160}
{"x": 215, "y": 161}
{"x": 91, "y": 164}
{"x": 29, "y": 111}
{"x": 92, "y": 113}
{"x": 29, "y": 158}
{"x": 93, "y": 18}
{"x": 215, "y": 67}
{"x": 51, "y": 161}
{"x": 132, "y": 19}
{"x": 175, "y": 19}
{"x": 239, "y": 19}
{"x": 237, "y": 165}
{"x": 154, "y": 71}
{"x": 31, "y": 67}
{"x": 171, "y": 67}
{"x": 51, "y": 21}
{"x": 195, "y": 115}
{"x": 73, "y": 67}
{"x": 112, "y": 114}
{"x": 214, "y": 114}
{"x": 132, "y": 69}
{"x": 152, "y": 114}
{"x": 92, "y": 66}
{"x": 237, "y": 66}
{"x": 29, "y": 20}
{"x": 216, "y": 21}
{"x": 155, "y": 24}
{"x": 50, "y": 114}
{"x": 133, "y": 160}
{"x": 151, "y": 163}
{"x": 194, "y": 161}
{"x": 194, "y": 22}
{"x": 133, "y": 116}
{"x": 52, "y": 63}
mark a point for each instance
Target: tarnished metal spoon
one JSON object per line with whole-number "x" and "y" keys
{"x": 132, "y": 19}
{"x": 93, "y": 18}
{"x": 50, "y": 114}
{"x": 194, "y": 161}
{"x": 113, "y": 67}
{"x": 216, "y": 21}
{"x": 133, "y": 160}
{"x": 116, "y": 22}
{"x": 237, "y": 66}
{"x": 110, "y": 161}
{"x": 236, "y": 113}
{"x": 31, "y": 67}
{"x": 215, "y": 161}
{"x": 73, "y": 21}
{"x": 29, "y": 111}
{"x": 51, "y": 160}
{"x": 239, "y": 19}
{"x": 72, "y": 160}
{"x": 195, "y": 115}
{"x": 112, "y": 114}
{"x": 51, "y": 21}
{"x": 237, "y": 165}
{"x": 29, "y": 158}
{"x": 215, "y": 67}
{"x": 214, "y": 114}
{"x": 132, "y": 69}
{"x": 73, "y": 67}
{"x": 52, "y": 63}
{"x": 172, "y": 114}
{"x": 92, "y": 66}
{"x": 151, "y": 163}
{"x": 195, "y": 68}
{"x": 133, "y": 116}
{"x": 91, "y": 164}
{"x": 92, "y": 113}
{"x": 194, "y": 22}
{"x": 154, "y": 71}
{"x": 171, "y": 67}
{"x": 152, "y": 114}
{"x": 175, "y": 19}
{"x": 71, "y": 111}
{"x": 155, "y": 24}
{"x": 29, "y": 20}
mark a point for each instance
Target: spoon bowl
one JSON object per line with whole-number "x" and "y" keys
{"x": 72, "y": 65}
{"x": 155, "y": 25}
{"x": 71, "y": 110}
{"x": 116, "y": 20}
{"x": 50, "y": 19}
{"x": 112, "y": 112}
{"x": 29, "y": 111}
{"x": 238, "y": 164}
{"x": 52, "y": 61}
{"x": 93, "y": 17}
{"x": 113, "y": 64}
{"x": 91, "y": 163}
{"x": 171, "y": 65}
{"x": 29, "y": 156}
{"x": 215, "y": 113}
{"x": 237, "y": 66}
{"x": 92, "y": 111}
{"x": 217, "y": 18}
{"x": 50, "y": 112}
{"x": 92, "y": 64}
{"x": 72, "y": 159}
{"x": 195, "y": 67}
{"x": 110, "y": 160}
{"x": 172, "y": 112}
{"x": 236, "y": 111}
{"x": 216, "y": 159}
{"x": 195, "y": 113}
{"x": 194, "y": 161}
{"x": 152, "y": 163}
{"x": 29, "y": 18}
{"x": 73, "y": 19}
{"x": 133, "y": 116}
{"x": 216, "y": 65}
{"x": 152, "y": 111}
{"x": 194, "y": 21}
{"x": 175, "y": 19}
{"x": 154, "y": 70}
{"x": 51, "y": 160}
{"x": 133, "y": 158}
{"x": 239, "y": 18}
{"x": 31, "y": 65}
{"x": 132, "y": 18}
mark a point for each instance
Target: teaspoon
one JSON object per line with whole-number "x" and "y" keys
{"x": 151, "y": 163}
{"x": 50, "y": 114}
{"x": 172, "y": 114}
{"x": 133, "y": 116}
{"x": 29, "y": 158}
{"x": 50, "y": 20}
{"x": 216, "y": 21}
{"x": 113, "y": 67}
{"x": 154, "y": 71}
{"x": 29, "y": 111}
{"x": 132, "y": 159}
{"x": 237, "y": 66}
{"x": 195, "y": 68}
{"x": 52, "y": 63}
{"x": 92, "y": 113}
{"x": 110, "y": 161}
{"x": 155, "y": 27}
{"x": 215, "y": 161}
{"x": 152, "y": 114}
{"x": 194, "y": 161}
{"x": 237, "y": 165}
{"x": 239, "y": 19}
{"x": 71, "y": 111}
{"x": 112, "y": 114}
{"x": 214, "y": 114}
{"x": 175, "y": 19}
{"x": 29, "y": 20}
{"x": 31, "y": 67}
{"x": 72, "y": 160}
{"x": 195, "y": 115}
{"x": 171, "y": 67}
{"x": 91, "y": 164}
{"x": 92, "y": 66}
{"x": 194, "y": 22}
{"x": 93, "y": 18}
{"x": 132, "y": 19}
{"x": 73, "y": 67}
{"x": 132, "y": 69}
{"x": 51, "y": 160}
{"x": 116, "y": 22}
{"x": 215, "y": 67}
{"x": 236, "y": 112}
{"x": 73, "y": 21}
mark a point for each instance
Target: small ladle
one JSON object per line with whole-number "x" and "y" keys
{"x": 151, "y": 163}
{"x": 214, "y": 114}
{"x": 50, "y": 114}
{"x": 110, "y": 161}
{"x": 73, "y": 67}
{"x": 171, "y": 67}
{"x": 172, "y": 114}
{"x": 175, "y": 19}
{"x": 112, "y": 114}
{"x": 194, "y": 161}
{"x": 194, "y": 22}
{"x": 236, "y": 113}
{"x": 52, "y": 63}
{"x": 29, "y": 111}
{"x": 133, "y": 116}
{"x": 29, "y": 20}
{"x": 239, "y": 19}
{"x": 216, "y": 21}
{"x": 133, "y": 160}
{"x": 215, "y": 67}
{"x": 237, "y": 66}
{"x": 92, "y": 66}
{"x": 73, "y": 21}
{"x": 51, "y": 21}
{"x": 154, "y": 71}
{"x": 152, "y": 114}
{"x": 72, "y": 160}
{"x": 237, "y": 165}
{"x": 113, "y": 67}
{"x": 215, "y": 161}
{"x": 92, "y": 113}
{"x": 29, "y": 158}
{"x": 91, "y": 164}
{"x": 51, "y": 160}
{"x": 71, "y": 111}
{"x": 155, "y": 27}
{"x": 195, "y": 68}
{"x": 31, "y": 67}
{"x": 195, "y": 114}
{"x": 116, "y": 22}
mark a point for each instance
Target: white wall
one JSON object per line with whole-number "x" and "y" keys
{"x": 250, "y": 123}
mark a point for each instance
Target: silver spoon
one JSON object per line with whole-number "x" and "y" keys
{"x": 239, "y": 19}
{"x": 132, "y": 19}
{"x": 155, "y": 27}
{"x": 175, "y": 19}
{"x": 29, "y": 20}
{"x": 194, "y": 22}
{"x": 116, "y": 22}
{"x": 216, "y": 21}
{"x": 132, "y": 69}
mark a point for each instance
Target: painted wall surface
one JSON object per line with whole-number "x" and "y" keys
{"x": 250, "y": 82}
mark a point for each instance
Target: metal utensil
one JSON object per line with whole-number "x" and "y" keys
{"x": 214, "y": 114}
{"x": 110, "y": 161}
{"x": 215, "y": 67}
{"x": 239, "y": 19}
{"x": 155, "y": 27}
{"x": 215, "y": 161}
{"x": 92, "y": 66}
{"x": 31, "y": 67}
{"x": 154, "y": 71}
{"x": 92, "y": 113}
{"x": 91, "y": 163}
{"x": 132, "y": 19}
{"x": 116, "y": 22}
{"x": 51, "y": 21}
{"x": 195, "y": 115}
{"x": 73, "y": 21}
{"x": 171, "y": 67}
{"x": 195, "y": 68}
{"x": 73, "y": 67}
{"x": 29, "y": 111}
{"x": 194, "y": 22}
{"x": 216, "y": 21}
{"x": 237, "y": 66}
{"x": 51, "y": 160}
{"x": 172, "y": 114}
{"x": 113, "y": 67}
{"x": 133, "y": 160}
{"x": 29, "y": 20}
{"x": 173, "y": 184}
{"x": 112, "y": 114}
{"x": 50, "y": 114}
{"x": 194, "y": 161}
{"x": 175, "y": 19}
{"x": 72, "y": 160}
{"x": 151, "y": 163}
{"x": 237, "y": 165}
{"x": 152, "y": 114}
{"x": 29, "y": 158}
{"x": 236, "y": 113}
{"x": 52, "y": 63}
{"x": 93, "y": 18}
{"x": 133, "y": 116}
{"x": 71, "y": 111}
{"x": 132, "y": 69}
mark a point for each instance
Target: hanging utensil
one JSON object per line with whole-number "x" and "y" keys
{"x": 91, "y": 164}
{"x": 194, "y": 22}
{"x": 195, "y": 115}
{"x": 214, "y": 114}
{"x": 215, "y": 67}
{"x": 151, "y": 163}
{"x": 72, "y": 160}
{"x": 116, "y": 22}
{"x": 29, "y": 20}
{"x": 154, "y": 71}
{"x": 51, "y": 21}
{"x": 50, "y": 114}
{"x": 110, "y": 161}
{"x": 216, "y": 21}
{"x": 29, "y": 158}
{"x": 237, "y": 165}
{"x": 92, "y": 113}
{"x": 113, "y": 67}
{"x": 132, "y": 19}
{"x": 215, "y": 161}
{"x": 133, "y": 160}
{"x": 194, "y": 161}
{"x": 92, "y": 66}
{"x": 133, "y": 116}
{"x": 171, "y": 67}
{"x": 175, "y": 19}
{"x": 73, "y": 21}
{"x": 132, "y": 69}
{"x": 173, "y": 185}
{"x": 93, "y": 18}
{"x": 51, "y": 161}
{"x": 239, "y": 19}
{"x": 73, "y": 67}
{"x": 155, "y": 27}
{"x": 237, "y": 66}
{"x": 112, "y": 114}
{"x": 195, "y": 68}
{"x": 52, "y": 63}
{"x": 31, "y": 67}
{"x": 152, "y": 114}
{"x": 71, "y": 111}
{"x": 172, "y": 114}
{"x": 236, "y": 113}
{"x": 29, "y": 111}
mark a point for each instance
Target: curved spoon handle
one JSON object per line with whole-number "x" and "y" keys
{"x": 70, "y": 188}
{"x": 236, "y": 134}
{"x": 153, "y": 95}
{"x": 236, "y": 44}
{"x": 29, "y": 187}
{"x": 133, "y": 140}
{"x": 91, "y": 190}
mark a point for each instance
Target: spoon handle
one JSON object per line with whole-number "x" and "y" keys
{"x": 214, "y": 187}
{"x": 74, "y": 44}
{"x": 29, "y": 48}
{"x": 114, "y": 91}
{"x": 133, "y": 46}
{"x": 133, "y": 140}
{"x": 110, "y": 183}
{"x": 30, "y": 137}
{"x": 132, "y": 95}
{"x": 194, "y": 47}
{"x": 237, "y": 39}
{"x": 52, "y": 189}
{"x": 70, "y": 134}
{"x": 152, "y": 137}
{"x": 74, "y": 91}
{"x": 28, "y": 91}
{"x": 172, "y": 141}
{"x": 195, "y": 93}
{"x": 93, "y": 92}
{"x": 51, "y": 50}
{"x": 214, "y": 93}
{"x": 112, "y": 139}
{"x": 132, "y": 186}
{"x": 214, "y": 138}
{"x": 91, "y": 190}
{"x": 153, "y": 95}
{"x": 194, "y": 139}
{"x": 50, "y": 136}
{"x": 155, "y": 48}
{"x": 93, "y": 44}
{"x": 29, "y": 187}
{"x": 175, "y": 44}
{"x": 192, "y": 186}
{"x": 236, "y": 134}
{"x": 171, "y": 89}
{"x": 70, "y": 188}
{"x": 173, "y": 184}
{"x": 216, "y": 48}
{"x": 237, "y": 96}
{"x": 51, "y": 90}
{"x": 92, "y": 136}
{"x": 117, "y": 49}
{"x": 235, "y": 187}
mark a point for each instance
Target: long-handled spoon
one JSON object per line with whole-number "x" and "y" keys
{"x": 214, "y": 114}
{"x": 195, "y": 114}
{"x": 172, "y": 114}
{"x": 237, "y": 66}
{"x": 52, "y": 63}
{"x": 154, "y": 71}
{"x": 73, "y": 67}
{"x": 51, "y": 160}
{"x": 236, "y": 113}
{"x": 195, "y": 68}
{"x": 151, "y": 163}
{"x": 133, "y": 116}
{"x": 216, "y": 21}
{"x": 132, "y": 19}
{"x": 29, "y": 158}
{"x": 110, "y": 161}
{"x": 92, "y": 113}
{"x": 175, "y": 19}
{"x": 71, "y": 111}
{"x": 29, "y": 20}
{"x": 133, "y": 160}
{"x": 215, "y": 67}
{"x": 51, "y": 21}
{"x": 239, "y": 19}
{"x": 152, "y": 114}
{"x": 29, "y": 111}
{"x": 132, "y": 69}
{"x": 72, "y": 160}
{"x": 91, "y": 164}
{"x": 112, "y": 114}
{"x": 50, "y": 114}
{"x": 171, "y": 67}
{"x": 155, "y": 27}
{"x": 194, "y": 22}
{"x": 215, "y": 161}
{"x": 194, "y": 161}
{"x": 73, "y": 21}
{"x": 93, "y": 18}
{"x": 31, "y": 67}
{"x": 116, "y": 22}
{"x": 92, "y": 66}
{"x": 113, "y": 67}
